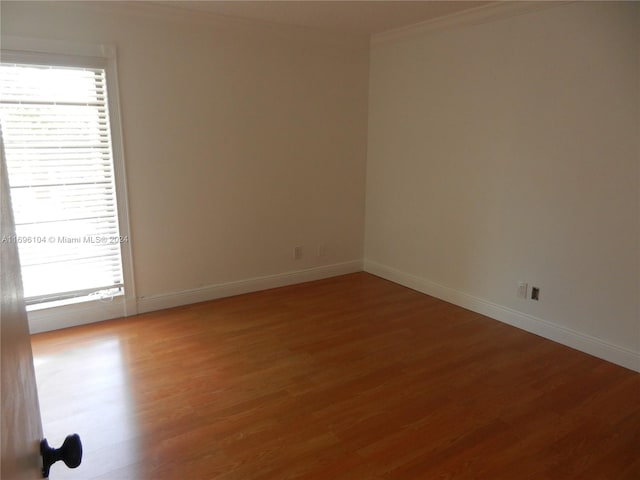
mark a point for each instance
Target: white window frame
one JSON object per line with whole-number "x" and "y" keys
{"x": 45, "y": 317}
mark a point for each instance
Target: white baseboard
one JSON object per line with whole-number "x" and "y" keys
{"x": 73, "y": 315}
{"x": 566, "y": 336}
{"x": 212, "y": 292}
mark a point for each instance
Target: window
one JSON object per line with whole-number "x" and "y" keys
{"x": 56, "y": 127}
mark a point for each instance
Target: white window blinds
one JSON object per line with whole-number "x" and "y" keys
{"x": 55, "y": 125}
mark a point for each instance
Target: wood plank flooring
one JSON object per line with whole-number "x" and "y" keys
{"x": 350, "y": 378}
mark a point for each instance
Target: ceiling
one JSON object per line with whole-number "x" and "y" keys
{"x": 367, "y": 17}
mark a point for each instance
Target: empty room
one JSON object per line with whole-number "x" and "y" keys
{"x": 269, "y": 240}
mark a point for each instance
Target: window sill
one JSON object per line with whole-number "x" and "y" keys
{"x": 71, "y": 301}
{"x": 75, "y": 312}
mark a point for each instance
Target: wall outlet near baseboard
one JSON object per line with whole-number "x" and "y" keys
{"x": 535, "y": 293}
{"x": 522, "y": 290}
{"x": 297, "y": 253}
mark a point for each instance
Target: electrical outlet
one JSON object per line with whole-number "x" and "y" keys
{"x": 535, "y": 293}
{"x": 322, "y": 250}
{"x": 297, "y": 253}
{"x": 522, "y": 290}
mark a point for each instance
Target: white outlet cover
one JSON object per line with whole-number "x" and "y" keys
{"x": 522, "y": 290}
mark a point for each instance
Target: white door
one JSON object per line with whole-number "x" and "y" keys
{"x": 20, "y": 412}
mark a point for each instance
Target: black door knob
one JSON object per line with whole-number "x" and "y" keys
{"x": 70, "y": 453}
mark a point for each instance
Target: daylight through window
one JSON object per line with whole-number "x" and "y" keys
{"x": 55, "y": 126}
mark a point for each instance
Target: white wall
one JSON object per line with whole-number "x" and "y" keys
{"x": 500, "y": 152}
{"x": 509, "y": 151}
{"x": 242, "y": 140}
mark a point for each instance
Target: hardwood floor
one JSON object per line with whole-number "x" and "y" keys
{"x": 347, "y": 378}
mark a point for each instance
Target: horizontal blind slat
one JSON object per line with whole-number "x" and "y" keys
{"x": 55, "y": 125}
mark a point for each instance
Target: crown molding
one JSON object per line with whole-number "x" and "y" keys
{"x": 157, "y": 10}
{"x": 475, "y": 16}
